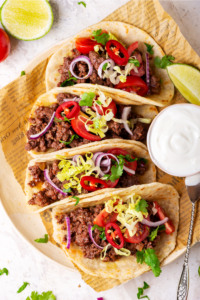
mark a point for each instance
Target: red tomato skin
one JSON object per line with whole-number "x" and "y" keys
{"x": 131, "y": 48}
{"x": 137, "y": 238}
{"x": 134, "y": 81}
{"x": 80, "y": 129}
{"x": 170, "y": 228}
{"x": 102, "y": 110}
{"x": 85, "y": 45}
{"x": 104, "y": 218}
{"x": 4, "y": 45}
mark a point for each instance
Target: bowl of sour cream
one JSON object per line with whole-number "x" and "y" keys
{"x": 173, "y": 140}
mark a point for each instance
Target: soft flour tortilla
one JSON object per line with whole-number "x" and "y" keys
{"x": 131, "y": 146}
{"x": 125, "y": 267}
{"x": 147, "y": 111}
{"x": 127, "y": 34}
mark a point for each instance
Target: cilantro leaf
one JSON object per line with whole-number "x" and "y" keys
{"x": 140, "y": 257}
{"x": 23, "y": 287}
{"x": 141, "y": 206}
{"x": 87, "y": 99}
{"x": 150, "y": 258}
{"x": 43, "y": 296}
{"x": 101, "y": 38}
{"x": 67, "y": 190}
{"x": 69, "y": 81}
{"x": 43, "y": 240}
{"x": 142, "y": 160}
{"x": 154, "y": 232}
{"x": 105, "y": 66}
{"x": 83, "y": 3}
{"x": 134, "y": 61}
{"x": 164, "y": 62}
{"x": 23, "y": 73}
{"x": 77, "y": 200}
{"x": 141, "y": 291}
{"x": 4, "y": 271}
{"x": 150, "y": 48}
{"x": 98, "y": 102}
{"x": 127, "y": 157}
{"x": 116, "y": 172}
{"x": 58, "y": 120}
{"x": 199, "y": 271}
{"x": 103, "y": 236}
{"x": 74, "y": 136}
{"x": 98, "y": 227}
{"x": 34, "y": 296}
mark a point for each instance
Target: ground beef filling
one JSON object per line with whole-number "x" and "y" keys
{"x": 80, "y": 219}
{"x": 63, "y": 130}
{"x": 81, "y": 70}
{"x": 49, "y": 194}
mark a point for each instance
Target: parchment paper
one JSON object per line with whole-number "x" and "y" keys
{"x": 17, "y": 98}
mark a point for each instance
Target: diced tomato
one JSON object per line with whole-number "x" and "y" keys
{"x": 140, "y": 69}
{"x": 85, "y": 45}
{"x": 131, "y": 48}
{"x": 4, "y": 45}
{"x": 79, "y": 128}
{"x": 112, "y": 184}
{"x": 170, "y": 228}
{"x": 104, "y": 218}
{"x": 102, "y": 110}
{"x": 134, "y": 82}
{"x": 141, "y": 234}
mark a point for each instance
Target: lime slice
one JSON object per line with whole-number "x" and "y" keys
{"x": 187, "y": 80}
{"x": 26, "y": 19}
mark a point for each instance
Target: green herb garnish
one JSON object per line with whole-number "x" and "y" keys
{"x": 74, "y": 136}
{"x": 98, "y": 102}
{"x": 105, "y": 66}
{"x": 141, "y": 291}
{"x": 150, "y": 48}
{"x": 23, "y": 287}
{"x": 142, "y": 206}
{"x": 58, "y": 120}
{"x": 69, "y": 81}
{"x": 154, "y": 232}
{"x": 144, "y": 160}
{"x": 102, "y": 230}
{"x": 101, "y": 38}
{"x": 127, "y": 157}
{"x": 23, "y": 73}
{"x": 150, "y": 258}
{"x": 116, "y": 172}
{"x": 45, "y": 240}
{"x": 67, "y": 190}
{"x": 199, "y": 271}
{"x": 4, "y": 271}
{"x": 43, "y": 296}
{"x": 134, "y": 61}
{"x": 87, "y": 99}
{"x": 77, "y": 200}
{"x": 83, "y": 3}
{"x": 164, "y": 62}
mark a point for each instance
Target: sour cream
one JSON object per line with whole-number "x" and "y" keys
{"x": 173, "y": 140}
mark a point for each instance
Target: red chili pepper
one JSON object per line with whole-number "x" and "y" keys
{"x": 65, "y": 107}
{"x": 92, "y": 186}
{"x": 113, "y": 54}
{"x": 113, "y": 232}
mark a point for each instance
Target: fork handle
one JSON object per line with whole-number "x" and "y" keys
{"x": 183, "y": 286}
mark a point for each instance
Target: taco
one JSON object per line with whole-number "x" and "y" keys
{"x": 65, "y": 176}
{"x": 70, "y": 117}
{"x": 115, "y": 55}
{"x": 121, "y": 235}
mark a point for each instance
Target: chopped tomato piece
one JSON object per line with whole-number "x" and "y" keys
{"x": 102, "y": 110}
{"x": 134, "y": 82}
{"x": 131, "y": 48}
{"x": 170, "y": 228}
{"x": 104, "y": 218}
{"x": 4, "y": 45}
{"x": 85, "y": 45}
{"x": 79, "y": 128}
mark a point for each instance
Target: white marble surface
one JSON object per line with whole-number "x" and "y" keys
{"x": 23, "y": 263}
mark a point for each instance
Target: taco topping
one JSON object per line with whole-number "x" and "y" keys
{"x": 82, "y": 120}
{"x": 82, "y": 174}
{"x": 106, "y": 61}
{"x": 114, "y": 229}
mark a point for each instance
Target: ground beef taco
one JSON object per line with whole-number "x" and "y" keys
{"x": 122, "y": 234}
{"x": 115, "y": 55}
{"x": 71, "y": 117}
{"x": 85, "y": 172}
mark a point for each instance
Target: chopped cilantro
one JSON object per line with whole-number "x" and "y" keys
{"x": 150, "y": 48}
{"x": 43, "y": 296}
{"x": 101, "y": 38}
{"x": 58, "y": 120}
{"x": 23, "y": 287}
{"x": 199, "y": 271}
{"x": 150, "y": 258}
{"x": 67, "y": 190}
{"x": 74, "y": 136}
{"x": 98, "y": 227}
{"x": 141, "y": 206}
{"x": 141, "y": 291}
{"x": 103, "y": 236}
{"x": 164, "y": 62}
{"x": 77, "y": 200}
{"x": 87, "y": 99}
{"x": 143, "y": 160}
{"x": 105, "y": 66}
{"x": 154, "y": 232}
{"x": 134, "y": 61}
{"x": 83, "y": 3}
{"x": 43, "y": 240}
{"x": 98, "y": 102}
{"x": 116, "y": 172}
{"x": 102, "y": 230}
{"x": 127, "y": 157}
{"x": 4, "y": 271}
{"x": 23, "y": 73}
{"x": 69, "y": 81}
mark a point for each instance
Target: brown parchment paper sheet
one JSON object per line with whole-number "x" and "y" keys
{"x": 17, "y": 98}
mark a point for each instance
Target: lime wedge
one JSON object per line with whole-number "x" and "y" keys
{"x": 187, "y": 80}
{"x": 26, "y": 19}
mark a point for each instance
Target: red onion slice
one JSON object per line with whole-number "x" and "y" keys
{"x": 79, "y": 59}
{"x": 125, "y": 114}
{"x": 95, "y": 156}
{"x": 128, "y": 170}
{"x": 48, "y": 179}
{"x": 68, "y": 232}
{"x": 76, "y": 99}
{"x": 98, "y": 162}
{"x": 37, "y": 135}
{"x": 154, "y": 224}
{"x": 90, "y": 234}
{"x": 75, "y": 157}
{"x": 100, "y": 69}
{"x": 148, "y": 73}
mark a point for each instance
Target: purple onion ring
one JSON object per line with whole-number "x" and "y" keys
{"x": 48, "y": 179}
{"x": 103, "y": 63}
{"x": 68, "y": 232}
{"x": 125, "y": 114}
{"x": 154, "y": 224}
{"x": 79, "y": 59}
{"x": 90, "y": 234}
{"x": 37, "y": 135}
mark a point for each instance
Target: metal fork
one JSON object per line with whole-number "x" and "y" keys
{"x": 183, "y": 287}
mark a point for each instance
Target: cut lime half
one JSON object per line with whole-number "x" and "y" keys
{"x": 187, "y": 80}
{"x": 26, "y": 19}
